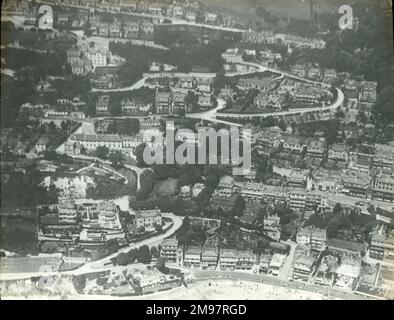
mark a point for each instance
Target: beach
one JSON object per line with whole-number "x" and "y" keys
{"x": 233, "y": 290}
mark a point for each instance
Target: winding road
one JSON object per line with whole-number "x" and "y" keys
{"x": 138, "y": 171}
{"x": 105, "y": 263}
{"x": 100, "y": 265}
{"x": 338, "y": 102}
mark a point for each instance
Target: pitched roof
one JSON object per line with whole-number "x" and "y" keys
{"x": 96, "y": 137}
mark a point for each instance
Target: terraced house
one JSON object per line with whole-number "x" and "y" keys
{"x": 169, "y": 249}
{"x": 227, "y": 259}
{"x": 383, "y": 187}
{"x": 148, "y": 219}
{"x": 338, "y": 153}
{"x": 316, "y": 149}
{"x": 209, "y": 257}
{"x": 192, "y": 256}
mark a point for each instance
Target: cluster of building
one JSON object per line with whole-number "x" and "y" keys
{"x": 316, "y": 260}
{"x": 83, "y": 222}
{"x": 88, "y": 222}
{"x": 297, "y": 198}
{"x": 171, "y": 102}
{"x": 363, "y": 91}
{"x": 131, "y": 106}
{"x": 275, "y": 95}
{"x": 365, "y": 175}
{"x": 84, "y": 58}
{"x": 260, "y": 84}
{"x": 212, "y": 258}
{"x": 378, "y": 159}
{"x": 181, "y": 86}
{"x": 176, "y": 100}
{"x": 315, "y": 72}
{"x": 89, "y": 140}
{"x": 148, "y": 219}
{"x": 143, "y": 30}
{"x": 79, "y": 143}
{"x": 190, "y": 11}
{"x": 304, "y": 191}
{"x": 382, "y": 244}
{"x": 340, "y": 265}
{"x": 302, "y": 93}
{"x": 283, "y": 39}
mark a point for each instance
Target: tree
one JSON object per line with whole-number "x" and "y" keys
{"x": 337, "y": 208}
{"x": 144, "y": 255}
{"x": 284, "y": 219}
{"x": 384, "y": 104}
{"x": 267, "y": 122}
{"x": 287, "y": 97}
{"x": 122, "y": 259}
{"x": 64, "y": 125}
{"x": 247, "y": 57}
{"x": 340, "y": 114}
{"x": 286, "y": 232}
{"x": 362, "y": 117}
{"x": 316, "y": 220}
{"x": 147, "y": 184}
{"x": 239, "y": 206}
{"x": 154, "y": 252}
{"x": 204, "y": 196}
{"x": 161, "y": 265}
{"x": 52, "y": 128}
{"x": 79, "y": 282}
{"x": 131, "y": 126}
{"x": 102, "y": 152}
{"x": 132, "y": 255}
{"x": 116, "y": 159}
{"x": 282, "y": 125}
{"x": 161, "y": 171}
{"x": 334, "y": 225}
{"x": 139, "y": 154}
{"x": 102, "y": 281}
{"x": 262, "y": 244}
{"x": 115, "y": 108}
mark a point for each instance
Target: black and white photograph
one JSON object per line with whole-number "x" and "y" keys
{"x": 197, "y": 150}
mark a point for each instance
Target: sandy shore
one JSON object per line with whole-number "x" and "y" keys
{"x": 212, "y": 290}
{"x": 237, "y": 290}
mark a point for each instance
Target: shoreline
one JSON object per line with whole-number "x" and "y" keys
{"x": 203, "y": 289}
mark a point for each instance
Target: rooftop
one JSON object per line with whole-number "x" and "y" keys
{"x": 305, "y": 260}
{"x": 170, "y": 242}
{"x": 96, "y": 137}
{"x": 339, "y": 147}
{"x": 345, "y": 245}
{"x": 228, "y": 253}
{"x": 244, "y": 254}
{"x": 147, "y": 213}
{"x": 193, "y": 250}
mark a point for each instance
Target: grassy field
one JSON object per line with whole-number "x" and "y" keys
{"x": 165, "y": 188}
{"x": 19, "y": 234}
{"x": 107, "y": 188}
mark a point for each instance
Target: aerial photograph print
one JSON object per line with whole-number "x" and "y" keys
{"x": 194, "y": 156}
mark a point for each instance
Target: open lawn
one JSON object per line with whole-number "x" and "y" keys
{"x": 165, "y": 188}
{"x": 107, "y": 188}
{"x": 19, "y": 234}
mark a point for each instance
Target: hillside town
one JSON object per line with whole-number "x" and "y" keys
{"x": 88, "y": 90}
